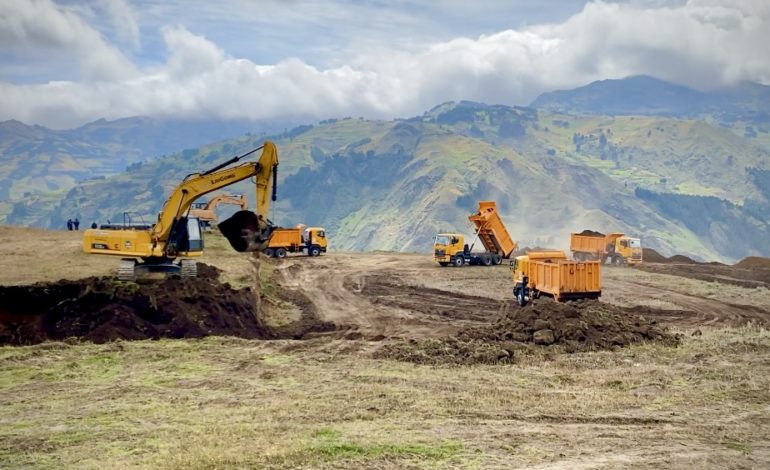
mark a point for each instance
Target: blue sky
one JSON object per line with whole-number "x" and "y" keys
{"x": 67, "y": 62}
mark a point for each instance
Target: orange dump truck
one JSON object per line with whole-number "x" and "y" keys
{"x": 614, "y": 247}
{"x": 450, "y": 248}
{"x": 311, "y": 240}
{"x": 552, "y": 274}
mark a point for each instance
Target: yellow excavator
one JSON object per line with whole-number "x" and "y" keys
{"x": 176, "y": 235}
{"x": 206, "y": 211}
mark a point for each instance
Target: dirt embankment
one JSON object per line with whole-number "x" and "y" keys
{"x": 569, "y": 327}
{"x": 753, "y": 262}
{"x": 753, "y": 271}
{"x": 102, "y": 309}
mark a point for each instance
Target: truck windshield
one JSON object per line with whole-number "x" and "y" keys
{"x": 634, "y": 243}
{"x": 442, "y": 240}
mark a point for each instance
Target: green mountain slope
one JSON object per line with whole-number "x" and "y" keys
{"x": 36, "y": 162}
{"x": 394, "y": 184}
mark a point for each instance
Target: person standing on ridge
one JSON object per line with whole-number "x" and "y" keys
{"x": 76, "y": 223}
{"x": 69, "y": 224}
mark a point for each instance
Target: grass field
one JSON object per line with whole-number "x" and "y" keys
{"x": 326, "y": 403}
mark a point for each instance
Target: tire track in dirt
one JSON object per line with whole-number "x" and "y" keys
{"x": 698, "y": 311}
{"x": 368, "y": 298}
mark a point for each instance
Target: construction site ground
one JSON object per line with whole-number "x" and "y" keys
{"x": 379, "y": 359}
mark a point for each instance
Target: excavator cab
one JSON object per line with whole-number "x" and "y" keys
{"x": 186, "y": 236}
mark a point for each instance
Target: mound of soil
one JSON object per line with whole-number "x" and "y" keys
{"x": 681, "y": 259}
{"x": 651, "y": 256}
{"x": 102, "y": 310}
{"x": 753, "y": 262}
{"x": 591, "y": 233}
{"x": 572, "y": 327}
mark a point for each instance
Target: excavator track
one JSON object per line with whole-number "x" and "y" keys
{"x": 127, "y": 270}
{"x": 188, "y": 269}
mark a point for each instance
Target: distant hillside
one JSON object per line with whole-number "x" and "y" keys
{"x": 36, "y": 161}
{"x": 394, "y": 184}
{"x": 647, "y": 96}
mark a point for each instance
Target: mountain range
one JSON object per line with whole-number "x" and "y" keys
{"x": 680, "y": 179}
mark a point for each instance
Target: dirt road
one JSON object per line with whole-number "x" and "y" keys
{"x": 378, "y": 295}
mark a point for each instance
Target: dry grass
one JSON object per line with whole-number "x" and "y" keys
{"x": 320, "y": 404}
{"x": 323, "y": 403}
{"x": 34, "y": 255}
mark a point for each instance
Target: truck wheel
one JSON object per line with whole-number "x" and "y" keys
{"x": 444, "y": 263}
{"x": 497, "y": 259}
{"x": 619, "y": 261}
{"x": 458, "y": 261}
{"x": 280, "y": 253}
{"x": 314, "y": 251}
{"x": 486, "y": 259}
{"x": 269, "y": 252}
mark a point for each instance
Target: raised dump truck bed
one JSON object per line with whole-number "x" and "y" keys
{"x": 491, "y": 229}
{"x": 450, "y": 248}
{"x": 552, "y": 274}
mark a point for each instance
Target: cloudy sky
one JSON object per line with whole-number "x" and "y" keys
{"x": 67, "y": 62}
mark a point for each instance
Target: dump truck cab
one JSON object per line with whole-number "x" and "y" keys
{"x": 315, "y": 237}
{"x": 449, "y": 248}
{"x": 626, "y": 250}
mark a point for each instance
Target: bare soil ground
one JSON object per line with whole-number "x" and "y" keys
{"x": 378, "y": 360}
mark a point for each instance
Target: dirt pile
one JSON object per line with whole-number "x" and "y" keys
{"x": 580, "y": 325}
{"x": 102, "y": 309}
{"x": 681, "y": 259}
{"x": 753, "y": 262}
{"x": 651, "y": 256}
{"x": 571, "y": 327}
{"x": 591, "y": 233}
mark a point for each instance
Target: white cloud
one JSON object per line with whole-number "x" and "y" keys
{"x": 700, "y": 43}
{"x": 41, "y": 30}
{"x": 122, "y": 20}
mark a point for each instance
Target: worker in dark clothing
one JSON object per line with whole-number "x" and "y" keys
{"x": 76, "y": 223}
{"x": 93, "y": 224}
{"x": 69, "y": 224}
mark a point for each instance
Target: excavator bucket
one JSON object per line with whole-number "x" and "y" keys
{"x": 246, "y": 231}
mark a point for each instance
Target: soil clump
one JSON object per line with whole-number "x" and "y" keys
{"x": 583, "y": 325}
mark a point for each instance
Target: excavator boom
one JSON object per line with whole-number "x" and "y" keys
{"x": 176, "y": 234}
{"x": 248, "y": 227}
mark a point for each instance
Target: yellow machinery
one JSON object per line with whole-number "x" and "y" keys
{"x": 614, "y": 247}
{"x": 311, "y": 240}
{"x": 450, "y": 248}
{"x": 176, "y": 235}
{"x": 206, "y": 213}
{"x": 552, "y": 274}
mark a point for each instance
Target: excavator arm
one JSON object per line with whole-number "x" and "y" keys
{"x": 246, "y": 231}
{"x": 216, "y": 201}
